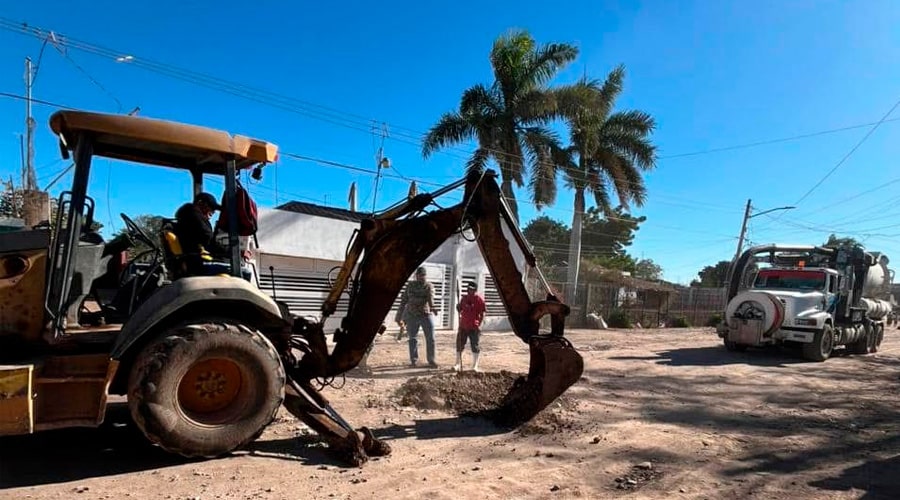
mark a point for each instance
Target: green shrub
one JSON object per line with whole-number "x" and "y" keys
{"x": 680, "y": 322}
{"x": 714, "y": 320}
{"x": 619, "y": 319}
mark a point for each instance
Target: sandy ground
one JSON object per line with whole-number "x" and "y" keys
{"x": 657, "y": 414}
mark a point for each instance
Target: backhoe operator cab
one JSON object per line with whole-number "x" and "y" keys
{"x": 80, "y": 322}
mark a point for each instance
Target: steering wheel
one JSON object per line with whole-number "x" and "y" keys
{"x": 136, "y": 231}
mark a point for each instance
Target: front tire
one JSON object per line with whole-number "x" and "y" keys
{"x": 822, "y": 345}
{"x": 203, "y": 390}
{"x": 734, "y": 346}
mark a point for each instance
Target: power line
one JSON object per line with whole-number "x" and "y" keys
{"x": 37, "y": 101}
{"x": 307, "y": 108}
{"x": 849, "y": 153}
{"x": 768, "y": 142}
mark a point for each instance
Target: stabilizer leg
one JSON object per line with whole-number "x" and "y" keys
{"x": 351, "y": 446}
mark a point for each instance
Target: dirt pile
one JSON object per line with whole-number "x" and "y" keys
{"x": 479, "y": 395}
{"x": 465, "y": 393}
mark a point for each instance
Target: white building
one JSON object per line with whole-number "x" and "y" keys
{"x": 302, "y": 246}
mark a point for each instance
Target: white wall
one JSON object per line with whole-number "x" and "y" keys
{"x": 289, "y": 233}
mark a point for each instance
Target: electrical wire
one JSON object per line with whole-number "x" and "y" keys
{"x": 849, "y": 153}
{"x": 311, "y": 109}
{"x": 260, "y": 96}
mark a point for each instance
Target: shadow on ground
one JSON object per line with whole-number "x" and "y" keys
{"x": 65, "y": 455}
{"x": 879, "y": 479}
{"x": 309, "y": 449}
{"x": 718, "y": 356}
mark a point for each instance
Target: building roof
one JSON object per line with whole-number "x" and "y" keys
{"x": 323, "y": 211}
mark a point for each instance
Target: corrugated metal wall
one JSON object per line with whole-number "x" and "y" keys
{"x": 303, "y": 284}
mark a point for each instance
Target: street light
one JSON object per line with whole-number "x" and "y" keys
{"x": 747, "y": 217}
{"x": 772, "y": 210}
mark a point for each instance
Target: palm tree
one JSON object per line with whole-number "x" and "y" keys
{"x": 607, "y": 152}
{"x": 509, "y": 119}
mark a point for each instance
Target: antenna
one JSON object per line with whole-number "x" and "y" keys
{"x": 351, "y": 198}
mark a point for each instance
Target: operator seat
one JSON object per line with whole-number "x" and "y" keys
{"x": 91, "y": 262}
{"x": 177, "y": 259}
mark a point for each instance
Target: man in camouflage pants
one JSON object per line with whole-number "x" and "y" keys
{"x": 416, "y": 309}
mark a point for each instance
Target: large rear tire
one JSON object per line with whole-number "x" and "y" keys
{"x": 203, "y": 390}
{"x": 822, "y": 345}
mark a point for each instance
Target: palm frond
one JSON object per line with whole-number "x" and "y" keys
{"x": 450, "y": 129}
{"x": 611, "y": 88}
{"x": 509, "y": 60}
{"x": 597, "y": 187}
{"x": 621, "y": 173}
{"x": 479, "y": 101}
{"x": 547, "y": 61}
{"x": 542, "y": 147}
{"x": 576, "y": 99}
{"x": 632, "y": 121}
{"x": 478, "y": 161}
{"x": 537, "y": 107}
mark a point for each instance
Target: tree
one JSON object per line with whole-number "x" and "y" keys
{"x": 152, "y": 227}
{"x": 713, "y": 276}
{"x": 546, "y": 235}
{"x": 620, "y": 262}
{"x": 11, "y": 205}
{"x": 607, "y": 151}
{"x": 608, "y": 234}
{"x": 509, "y": 119}
{"x": 648, "y": 270}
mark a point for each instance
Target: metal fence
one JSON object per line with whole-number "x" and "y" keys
{"x": 650, "y": 308}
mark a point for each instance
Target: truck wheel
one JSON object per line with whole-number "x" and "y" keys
{"x": 864, "y": 344}
{"x": 821, "y": 346}
{"x": 734, "y": 346}
{"x": 879, "y": 336}
{"x": 872, "y": 339}
{"x": 203, "y": 390}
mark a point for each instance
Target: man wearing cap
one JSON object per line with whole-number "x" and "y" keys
{"x": 416, "y": 309}
{"x": 471, "y": 313}
{"x": 195, "y": 233}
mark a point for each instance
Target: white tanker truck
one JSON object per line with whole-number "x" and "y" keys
{"x": 818, "y": 297}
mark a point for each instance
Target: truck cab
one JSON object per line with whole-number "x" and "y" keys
{"x": 807, "y": 294}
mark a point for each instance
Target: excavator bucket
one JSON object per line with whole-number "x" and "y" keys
{"x": 555, "y": 366}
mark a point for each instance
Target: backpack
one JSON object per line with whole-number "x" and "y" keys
{"x": 247, "y": 216}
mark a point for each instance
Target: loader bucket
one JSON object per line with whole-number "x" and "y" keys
{"x": 555, "y": 365}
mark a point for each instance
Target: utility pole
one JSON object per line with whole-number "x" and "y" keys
{"x": 381, "y": 162}
{"x": 29, "y": 180}
{"x": 35, "y": 203}
{"x": 743, "y": 230}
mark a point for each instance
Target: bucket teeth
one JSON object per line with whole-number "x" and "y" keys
{"x": 555, "y": 366}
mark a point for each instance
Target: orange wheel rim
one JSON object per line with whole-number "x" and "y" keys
{"x": 210, "y": 387}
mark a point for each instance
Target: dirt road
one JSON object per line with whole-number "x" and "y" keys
{"x": 657, "y": 414}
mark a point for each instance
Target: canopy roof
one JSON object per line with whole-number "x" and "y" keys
{"x": 159, "y": 142}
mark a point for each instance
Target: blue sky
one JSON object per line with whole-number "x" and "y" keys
{"x": 713, "y": 74}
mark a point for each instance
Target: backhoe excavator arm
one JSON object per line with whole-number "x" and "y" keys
{"x": 385, "y": 252}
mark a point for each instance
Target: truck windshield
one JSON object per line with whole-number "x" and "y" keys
{"x": 790, "y": 280}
